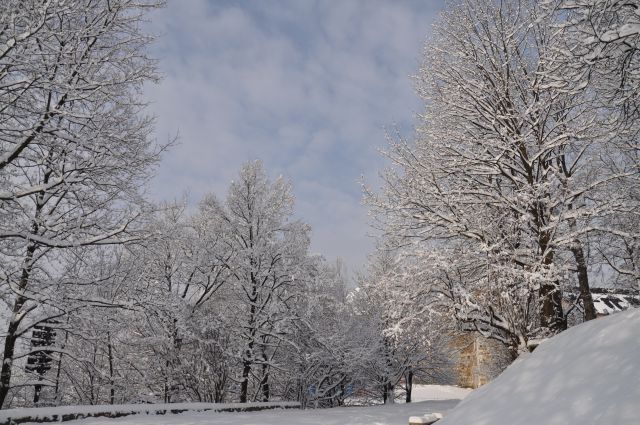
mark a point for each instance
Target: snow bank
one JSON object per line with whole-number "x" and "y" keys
{"x": 589, "y": 374}
{"x": 68, "y": 413}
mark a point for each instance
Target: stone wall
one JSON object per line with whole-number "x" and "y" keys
{"x": 478, "y": 359}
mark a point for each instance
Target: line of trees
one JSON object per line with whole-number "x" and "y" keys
{"x": 224, "y": 303}
{"x": 111, "y": 299}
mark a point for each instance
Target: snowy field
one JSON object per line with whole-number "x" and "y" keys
{"x": 397, "y": 414}
{"x": 429, "y": 398}
{"x": 438, "y": 392}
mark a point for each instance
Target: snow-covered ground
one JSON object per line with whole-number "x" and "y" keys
{"x": 587, "y": 375}
{"x": 420, "y": 393}
{"x": 438, "y": 392}
{"x": 428, "y": 399}
{"x": 397, "y": 414}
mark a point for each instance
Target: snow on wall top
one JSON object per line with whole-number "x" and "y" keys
{"x": 55, "y": 413}
{"x": 589, "y": 374}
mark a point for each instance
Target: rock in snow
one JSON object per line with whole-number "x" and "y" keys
{"x": 589, "y": 374}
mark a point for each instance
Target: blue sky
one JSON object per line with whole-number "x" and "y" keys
{"x": 306, "y": 86}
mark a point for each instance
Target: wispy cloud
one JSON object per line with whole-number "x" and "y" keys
{"x": 306, "y": 86}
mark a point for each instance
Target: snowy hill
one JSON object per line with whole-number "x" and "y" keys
{"x": 589, "y": 374}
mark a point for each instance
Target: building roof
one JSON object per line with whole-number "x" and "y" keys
{"x": 608, "y": 301}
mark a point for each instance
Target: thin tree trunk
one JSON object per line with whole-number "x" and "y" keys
{"x": 581, "y": 263}
{"x": 551, "y": 312}
{"x": 59, "y": 370}
{"x": 409, "y": 385}
{"x": 247, "y": 363}
{"x": 388, "y": 393}
{"x": 246, "y": 370}
{"x": 264, "y": 383}
{"x": 17, "y": 314}
{"x": 12, "y": 331}
{"x": 167, "y": 397}
{"x": 112, "y": 391}
{"x": 244, "y": 385}
{"x": 37, "y": 388}
{"x": 552, "y": 316}
{"x": 9, "y": 347}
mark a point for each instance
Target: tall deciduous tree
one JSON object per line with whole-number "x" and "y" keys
{"x": 74, "y": 147}
{"x": 269, "y": 255}
{"x": 504, "y": 183}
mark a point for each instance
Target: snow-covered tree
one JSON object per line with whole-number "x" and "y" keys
{"x": 320, "y": 368}
{"x": 504, "y": 184}
{"x": 601, "y": 49}
{"x": 269, "y": 253}
{"x": 599, "y": 57}
{"x": 410, "y": 336}
{"x": 74, "y": 150}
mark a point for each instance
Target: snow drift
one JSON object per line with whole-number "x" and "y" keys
{"x": 589, "y": 374}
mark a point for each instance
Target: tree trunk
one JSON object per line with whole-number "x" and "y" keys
{"x": 264, "y": 384}
{"x": 58, "y": 398}
{"x": 9, "y": 346}
{"x": 583, "y": 281}
{"x": 246, "y": 370}
{"x": 551, "y": 312}
{"x": 551, "y": 315}
{"x": 265, "y": 387}
{"x": 246, "y": 363}
{"x": 389, "y": 396}
{"x": 37, "y": 388}
{"x": 409, "y": 386}
{"x": 112, "y": 390}
{"x": 12, "y": 331}
{"x": 244, "y": 385}
{"x": 167, "y": 396}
